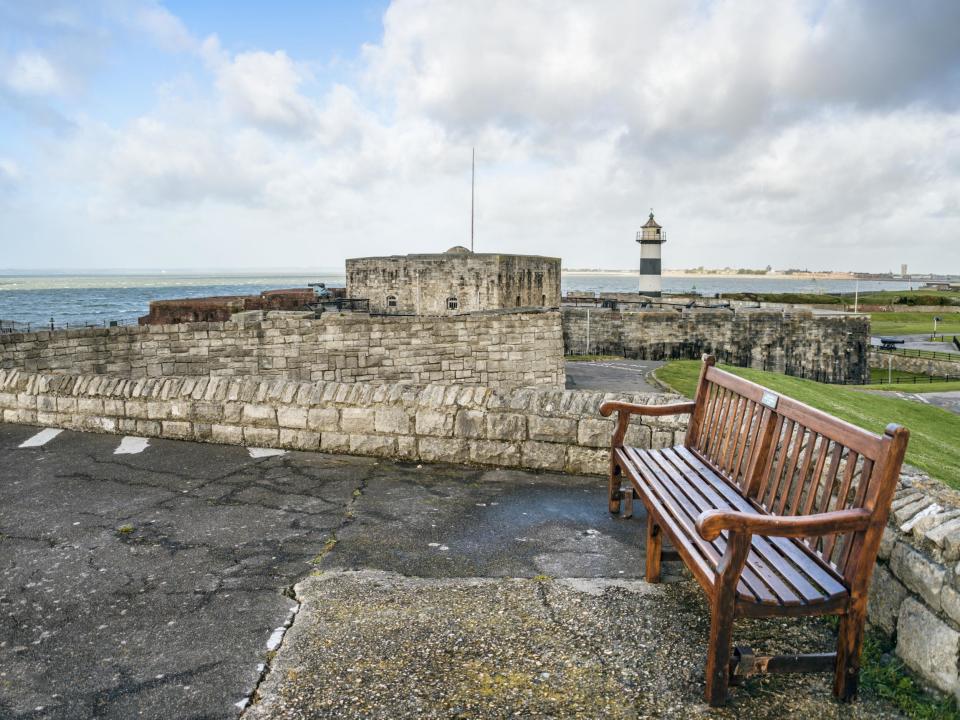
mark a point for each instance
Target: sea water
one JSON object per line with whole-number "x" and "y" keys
{"x": 97, "y": 299}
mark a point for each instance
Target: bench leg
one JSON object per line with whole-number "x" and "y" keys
{"x": 718, "y": 652}
{"x": 722, "y": 606}
{"x": 654, "y": 550}
{"x": 613, "y": 488}
{"x": 849, "y": 643}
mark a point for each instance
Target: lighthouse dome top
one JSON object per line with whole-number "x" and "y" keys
{"x": 651, "y": 223}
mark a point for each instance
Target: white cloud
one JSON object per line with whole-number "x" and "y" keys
{"x": 10, "y": 175}
{"x": 262, "y": 88}
{"x": 795, "y": 133}
{"x": 32, "y": 73}
{"x": 165, "y": 28}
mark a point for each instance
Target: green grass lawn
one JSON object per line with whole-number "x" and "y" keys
{"x": 880, "y": 374}
{"x": 881, "y": 297}
{"x": 913, "y": 323}
{"x": 908, "y": 297}
{"x": 934, "y": 433}
{"x": 908, "y": 382}
{"x": 920, "y": 387}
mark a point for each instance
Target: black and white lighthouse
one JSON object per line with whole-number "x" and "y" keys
{"x": 650, "y": 237}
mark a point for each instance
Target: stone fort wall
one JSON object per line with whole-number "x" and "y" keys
{"x": 919, "y": 365}
{"x": 829, "y": 348}
{"x": 497, "y": 349}
{"x": 423, "y": 284}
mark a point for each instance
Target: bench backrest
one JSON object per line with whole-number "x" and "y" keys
{"x": 792, "y": 459}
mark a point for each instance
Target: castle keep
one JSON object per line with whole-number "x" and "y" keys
{"x": 457, "y": 281}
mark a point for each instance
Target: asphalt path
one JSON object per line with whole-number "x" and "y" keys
{"x": 613, "y": 375}
{"x": 154, "y": 578}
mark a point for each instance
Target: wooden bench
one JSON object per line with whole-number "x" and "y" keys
{"x": 775, "y": 507}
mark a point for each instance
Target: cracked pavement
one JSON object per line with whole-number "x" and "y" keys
{"x": 159, "y": 585}
{"x": 150, "y": 584}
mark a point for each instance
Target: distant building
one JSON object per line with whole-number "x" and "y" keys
{"x": 456, "y": 281}
{"x": 903, "y": 270}
{"x": 650, "y": 237}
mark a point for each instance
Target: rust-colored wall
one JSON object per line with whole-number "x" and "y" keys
{"x": 220, "y": 308}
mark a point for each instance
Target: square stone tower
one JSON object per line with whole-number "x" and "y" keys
{"x": 457, "y": 281}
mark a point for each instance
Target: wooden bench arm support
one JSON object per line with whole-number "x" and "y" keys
{"x": 612, "y": 406}
{"x": 712, "y": 522}
{"x": 624, "y": 410}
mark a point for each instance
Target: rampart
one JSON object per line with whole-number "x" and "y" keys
{"x": 496, "y": 349}
{"x": 829, "y": 348}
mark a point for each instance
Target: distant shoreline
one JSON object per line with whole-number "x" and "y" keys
{"x": 767, "y": 276}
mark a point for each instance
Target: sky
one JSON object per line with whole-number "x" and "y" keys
{"x": 819, "y": 134}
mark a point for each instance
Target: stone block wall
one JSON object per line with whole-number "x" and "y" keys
{"x": 498, "y": 349}
{"x": 422, "y": 284}
{"x": 915, "y": 594}
{"x": 918, "y": 365}
{"x": 829, "y": 348}
{"x": 525, "y": 427}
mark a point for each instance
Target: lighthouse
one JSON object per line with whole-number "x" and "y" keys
{"x": 650, "y": 237}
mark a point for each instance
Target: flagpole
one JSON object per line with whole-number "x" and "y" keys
{"x": 473, "y": 176}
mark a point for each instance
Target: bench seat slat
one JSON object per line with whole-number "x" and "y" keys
{"x": 767, "y": 561}
{"x": 684, "y": 514}
{"x": 799, "y": 553}
{"x": 696, "y": 553}
{"x": 773, "y": 589}
{"x": 680, "y": 487}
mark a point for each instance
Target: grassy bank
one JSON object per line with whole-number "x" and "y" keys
{"x": 908, "y": 297}
{"x": 913, "y": 323}
{"x": 934, "y": 432}
{"x": 882, "y": 297}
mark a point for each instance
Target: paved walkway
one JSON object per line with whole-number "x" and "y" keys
{"x": 158, "y": 583}
{"x": 613, "y": 375}
{"x": 947, "y": 400}
{"x": 920, "y": 342}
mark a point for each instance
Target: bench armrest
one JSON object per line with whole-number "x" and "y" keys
{"x": 612, "y": 406}
{"x": 712, "y": 522}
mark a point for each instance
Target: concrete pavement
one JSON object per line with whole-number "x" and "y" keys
{"x": 613, "y": 375}
{"x": 161, "y": 583}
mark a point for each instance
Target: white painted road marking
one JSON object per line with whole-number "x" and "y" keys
{"x": 265, "y": 452}
{"x": 627, "y": 368}
{"x": 41, "y": 438}
{"x": 131, "y": 445}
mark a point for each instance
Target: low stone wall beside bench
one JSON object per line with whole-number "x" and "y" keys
{"x": 526, "y": 427}
{"x": 915, "y": 594}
